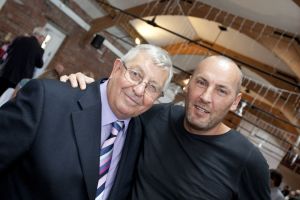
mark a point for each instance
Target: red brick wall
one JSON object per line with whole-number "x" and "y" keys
{"x": 19, "y": 19}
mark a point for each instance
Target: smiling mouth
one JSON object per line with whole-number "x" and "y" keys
{"x": 132, "y": 99}
{"x": 201, "y": 109}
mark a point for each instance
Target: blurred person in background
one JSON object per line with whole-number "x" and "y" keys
{"x": 23, "y": 55}
{"x": 55, "y": 73}
{"x": 3, "y": 47}
{"x": 275, "y": 181}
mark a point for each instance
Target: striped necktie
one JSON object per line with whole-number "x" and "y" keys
{"x": 106, "y": 156}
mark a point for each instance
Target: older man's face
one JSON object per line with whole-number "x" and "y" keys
{"x": 128, "y": 99}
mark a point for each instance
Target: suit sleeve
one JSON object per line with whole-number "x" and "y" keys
{"x": 254, "y": 181}
{"x": 19, "y": 123}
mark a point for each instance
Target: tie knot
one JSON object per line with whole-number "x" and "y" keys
{"x": 117, "y": 126}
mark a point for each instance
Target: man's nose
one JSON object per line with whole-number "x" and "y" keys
{"x": 139, "y": 89}
{"x": 206, "y": 95}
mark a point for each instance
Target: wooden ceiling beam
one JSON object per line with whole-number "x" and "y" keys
{"x": 262, "y": 104}
{"x": 297, "y": 2}
{"x": 284, "y": 51}
{"x": 126, "y": 26}
{"x": 256, "y": 31}
{"x": 253, "y": 29}
{"x": 193, "y": 49}
{"x": 105, "y": 22}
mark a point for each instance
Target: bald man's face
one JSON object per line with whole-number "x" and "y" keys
{"x": 211, "y": 93}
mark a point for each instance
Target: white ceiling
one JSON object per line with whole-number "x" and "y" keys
{"x": 283, "y": 14}
{"x": 160, "y": 37}
{"x": 194, "y": 28}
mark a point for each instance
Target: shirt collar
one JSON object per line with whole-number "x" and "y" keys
{"x": 107, "y": 115}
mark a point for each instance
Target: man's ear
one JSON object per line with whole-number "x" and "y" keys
{"x": 236, "y": 102}
{"x": 117, "y": 66}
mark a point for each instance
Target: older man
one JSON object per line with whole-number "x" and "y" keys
{"x": 188, "y": 153}
{"x": 61, "y": 143}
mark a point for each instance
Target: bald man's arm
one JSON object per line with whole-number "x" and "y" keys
{"x": 77, "y": 79}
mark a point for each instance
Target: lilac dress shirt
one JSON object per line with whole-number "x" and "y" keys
{"x": 108, "y": 117}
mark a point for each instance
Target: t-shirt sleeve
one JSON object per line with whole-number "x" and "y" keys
{"x": 254, "y": 180}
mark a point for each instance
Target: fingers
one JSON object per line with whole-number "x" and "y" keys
{"x": 64, "y": 78}
{"x": 81, "y": 80}
{"x": 73, "y": 80}
{"x": 89, "y": 80}
{"x": 77, "y": 79}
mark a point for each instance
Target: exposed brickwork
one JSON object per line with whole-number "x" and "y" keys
{"x": 18, "y": 19}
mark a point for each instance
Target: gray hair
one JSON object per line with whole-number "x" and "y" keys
{"x": 39, "y": 31}
{"x": 158, "y": 56}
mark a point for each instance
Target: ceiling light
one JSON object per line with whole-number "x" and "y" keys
{"x": 241, "y": 107}
{"x": 186, "y": 81}
{"x": 137, "y": 41}
{"x": 222, "y": 28}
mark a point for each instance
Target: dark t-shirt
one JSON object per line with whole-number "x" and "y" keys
{"x": 175, "y": 164}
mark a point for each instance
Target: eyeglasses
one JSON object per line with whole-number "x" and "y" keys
{"x": 136, "y": 78}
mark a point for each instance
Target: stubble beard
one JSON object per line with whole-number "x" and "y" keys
{"x": 197, "y": 126}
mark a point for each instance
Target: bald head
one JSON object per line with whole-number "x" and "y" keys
{"x": 225, "y": 65}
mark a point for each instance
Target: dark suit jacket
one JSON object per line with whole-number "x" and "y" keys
{"x": 50, "y": 144}
{"x": 24, "y": 53}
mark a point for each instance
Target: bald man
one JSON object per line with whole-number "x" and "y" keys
{"x": 190, "y": 154}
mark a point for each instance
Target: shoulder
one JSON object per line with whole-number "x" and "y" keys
{"x": 24, "y": 39}
{"x": 255, "y": 173}
{"x": 51, "y": 88}
{"x": 53, "y": 93}
{"x": 48, "y": 84}
{"x": 162, "y": 114}
{"x": 240, "y": 140}
{"x": 24, "y": 43}
{"x": 160, "y": 110}
{"x": 254, "y": 165}
{"x": 18, "y": 39}
{"x": 244, "y": 150}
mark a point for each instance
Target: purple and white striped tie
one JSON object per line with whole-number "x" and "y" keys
{"x": 106, "y": 156}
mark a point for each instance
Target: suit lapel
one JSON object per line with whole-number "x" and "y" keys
{"x": 87, "y": 128}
